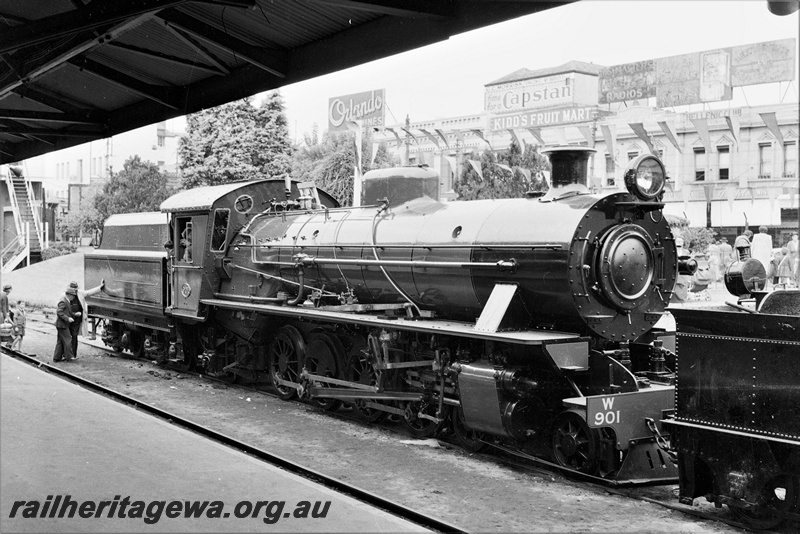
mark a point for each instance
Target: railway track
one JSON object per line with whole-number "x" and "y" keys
{"x": 312, "y": 475}
{"x": 530, "y": 464}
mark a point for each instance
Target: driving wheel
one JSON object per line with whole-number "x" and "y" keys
{"x": 286, "y": 353}
{"x": 421, "y": 427}
{"x": 323, "y": 354}
{"x": 359, "y": 369}
{"x": 468, "y": 439}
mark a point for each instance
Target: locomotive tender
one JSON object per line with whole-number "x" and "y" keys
{"x": 735, "y": 430}
{"x": 528, "y": 324}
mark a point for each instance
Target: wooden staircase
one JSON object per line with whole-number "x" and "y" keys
{"x": 27, "y": 245}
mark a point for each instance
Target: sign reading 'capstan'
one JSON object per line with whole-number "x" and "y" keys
{"x": 368, "y": 107}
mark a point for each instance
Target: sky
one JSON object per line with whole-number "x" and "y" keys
{"x": 447, "y": 79}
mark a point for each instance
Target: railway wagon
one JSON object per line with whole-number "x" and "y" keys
{"x": 527, "y": 324}
{"x": 736, "y": 429}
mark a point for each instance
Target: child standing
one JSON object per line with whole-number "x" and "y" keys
{"x": 19, "y": 324}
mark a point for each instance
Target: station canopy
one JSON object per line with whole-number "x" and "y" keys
{"x": 72, "y": 71}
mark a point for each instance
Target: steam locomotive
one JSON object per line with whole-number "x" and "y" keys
{"x": 533, "y": 324}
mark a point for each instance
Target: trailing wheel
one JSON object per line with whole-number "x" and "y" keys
{"x": 323, "y": 352}
{"x": 468, "y": 439}
{"x": 781, "y": 492}
{"x": 575, "y": 445}
{"x": 285, "y": 356}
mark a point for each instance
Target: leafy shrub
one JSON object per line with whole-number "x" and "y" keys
{"x": 60, "y": 248}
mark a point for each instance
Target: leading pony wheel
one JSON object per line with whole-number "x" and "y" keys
{"x": 575, "y": 445}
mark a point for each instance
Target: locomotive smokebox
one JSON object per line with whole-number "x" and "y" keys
{"x": 570, "y": 164}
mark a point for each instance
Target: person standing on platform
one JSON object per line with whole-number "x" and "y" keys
{"x": 715, "y": 261}
{"x": 793, "y": 248}
{"x": 19, "y": 325}
{"x": 742, "y": 245}
{"x": 69, "y": 319}
{"x": 726, "y": 253}
{"x": 4, "y": 310}
{"x": 761, "y": 248}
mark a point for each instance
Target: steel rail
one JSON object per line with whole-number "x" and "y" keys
{"x": 322, "y": 479}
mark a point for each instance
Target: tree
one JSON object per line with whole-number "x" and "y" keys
{"x": 139, "y": 186}
{"x": 330, "y": 162}
{"x": 499, "y": 182}
{"x": 78, "y": 221}
{"x": 236, "y": 141}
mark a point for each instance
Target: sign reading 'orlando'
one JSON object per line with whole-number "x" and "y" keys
{"x": 368, "y": 107}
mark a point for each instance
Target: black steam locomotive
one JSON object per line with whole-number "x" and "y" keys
{"x": 528, "y": 324}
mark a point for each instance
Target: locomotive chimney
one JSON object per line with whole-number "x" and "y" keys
{"x": 570, "y": 165}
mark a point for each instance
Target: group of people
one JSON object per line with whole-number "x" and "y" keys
{"x": 781, "y": 265}
{"x": 69, "y": 321}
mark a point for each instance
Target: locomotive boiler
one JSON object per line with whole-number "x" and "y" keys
{"x": 528, "y": 324}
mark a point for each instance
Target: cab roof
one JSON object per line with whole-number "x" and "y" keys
{"x": 203, "y": 198}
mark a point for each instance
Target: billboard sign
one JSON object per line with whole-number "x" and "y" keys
{"x": 533, "y": 93}
{"x": 369, "y": 107}
{"x": 698, "y": 77}
{"x": 544, "y": 117}
{"x": 628, "y": 82}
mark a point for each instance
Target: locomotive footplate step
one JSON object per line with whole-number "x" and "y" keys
{"x": 430, "y": 326}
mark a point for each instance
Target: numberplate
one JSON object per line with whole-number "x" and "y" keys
{"x": 626, "y": 413}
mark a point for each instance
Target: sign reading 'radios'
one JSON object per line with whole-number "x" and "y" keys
{"x": 367, "y": 107}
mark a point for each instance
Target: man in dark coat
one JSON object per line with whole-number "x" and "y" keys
{"x": 69, "y": 315}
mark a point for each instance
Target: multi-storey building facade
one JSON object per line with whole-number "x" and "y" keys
{"x": 736, "y": 166}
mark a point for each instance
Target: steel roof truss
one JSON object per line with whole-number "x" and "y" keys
{"x": 164, "y": 95}
{"x": 271, "y": 61}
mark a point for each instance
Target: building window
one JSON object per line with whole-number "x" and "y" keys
{"x": 724, "y": 161}
{"x": 160, "y": 140}
{"x": 699, "y": 164}
{"x": 632, "y": 155}
{"x": 609, "y": 164}
{"x": 790, "y": 159}
{"x": 764, "y": 160}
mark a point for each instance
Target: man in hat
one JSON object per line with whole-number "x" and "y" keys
{"x": 69, "y": 319}
{"x": 5, "y": 313}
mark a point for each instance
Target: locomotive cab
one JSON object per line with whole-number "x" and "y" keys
{"x": 203, "y": 221}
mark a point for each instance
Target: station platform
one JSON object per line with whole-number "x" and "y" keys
{"x": 61, "y": 444}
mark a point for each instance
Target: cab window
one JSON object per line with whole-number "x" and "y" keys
{"x": 220, "y": 231}
{"x": 183, "y": 227}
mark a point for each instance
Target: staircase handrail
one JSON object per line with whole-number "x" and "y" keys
{"x": 36, "y": 210}
{"x": 20, "y": 244}
{"x": 12, "y": 195}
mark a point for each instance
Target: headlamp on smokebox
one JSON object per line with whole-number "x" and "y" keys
{"x": 645, "y": 177}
